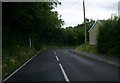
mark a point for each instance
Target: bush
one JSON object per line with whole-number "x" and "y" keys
{"x": 14, "y": 57}
{"x": 109, "y": 37}
{"x": 87, "y": 47}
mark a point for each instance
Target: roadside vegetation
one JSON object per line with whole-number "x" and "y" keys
{"x": 38, "y": 22}
{"x": 15, "y": 57}
{"x": 108, "y": 39}
{"x": 87, "y": 48}
{"x": 24, "y": 21}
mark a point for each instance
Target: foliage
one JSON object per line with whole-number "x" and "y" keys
{"x": 37, "y": 21}
{"x": 109, "y": 38}
{"x": 12, "y": 59}
{"x": 22, "y": 21}
{"x": 87, "y": 48}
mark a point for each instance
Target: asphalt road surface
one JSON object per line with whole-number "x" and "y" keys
{"x": 63, "y": 65}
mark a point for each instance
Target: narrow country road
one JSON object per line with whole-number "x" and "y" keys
{"x": 62, "y": 65}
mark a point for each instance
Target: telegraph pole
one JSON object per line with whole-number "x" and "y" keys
{"x": 30, "y": 42}
{"x": 84, "y": 21}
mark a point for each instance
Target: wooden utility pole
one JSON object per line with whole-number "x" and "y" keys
{"x": 30, "y": 42}
{"x": 84, "y": 21}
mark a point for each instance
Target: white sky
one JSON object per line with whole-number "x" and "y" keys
{"x": 72, "y": 10}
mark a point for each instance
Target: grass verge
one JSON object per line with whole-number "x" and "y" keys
{"x": 14, "y": 58}
{"x": 93, "y": 49}
{"x": 87, "y": 48}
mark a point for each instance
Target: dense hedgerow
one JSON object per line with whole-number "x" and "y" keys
{"x": 109, "y": 37}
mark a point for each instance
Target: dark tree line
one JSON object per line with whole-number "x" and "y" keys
{"x": 22, "y": 21}
{"x": 37, "y": 21}
{"x": 76, "y": 35}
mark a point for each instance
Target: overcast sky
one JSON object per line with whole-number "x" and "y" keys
{"x": 72, "y": 10}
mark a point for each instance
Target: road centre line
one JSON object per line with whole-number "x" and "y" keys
{"x": 57, "y": 58}
{"x": 64, "y": 74}
{"x": 54, "y": 52}
{"x": 63, "y": 71}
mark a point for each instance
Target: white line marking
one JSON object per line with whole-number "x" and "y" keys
{"x": 20, "y": 67}
{"x": 57, "y": 58}
{"x": 54, "y": 52}
{"x": 64, "y": 74}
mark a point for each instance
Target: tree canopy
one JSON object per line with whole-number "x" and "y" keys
{"x": 22, "y": 21}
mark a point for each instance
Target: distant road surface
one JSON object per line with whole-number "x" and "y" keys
{"x": 62, "y": 65}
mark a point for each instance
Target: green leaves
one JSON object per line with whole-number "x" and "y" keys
{"x": 108, "y": 37}
{"x": 22, "y": 21}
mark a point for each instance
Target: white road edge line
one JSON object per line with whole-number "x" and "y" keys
{"x": 57, "y": 58}
{"x": 64, "y": 74}
{"x": 20, "y": 67}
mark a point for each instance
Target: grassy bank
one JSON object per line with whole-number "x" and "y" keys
{"x": 93, "y": 49}
{"x": 87, "y": 48}
{"x": 12, "y": 58}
